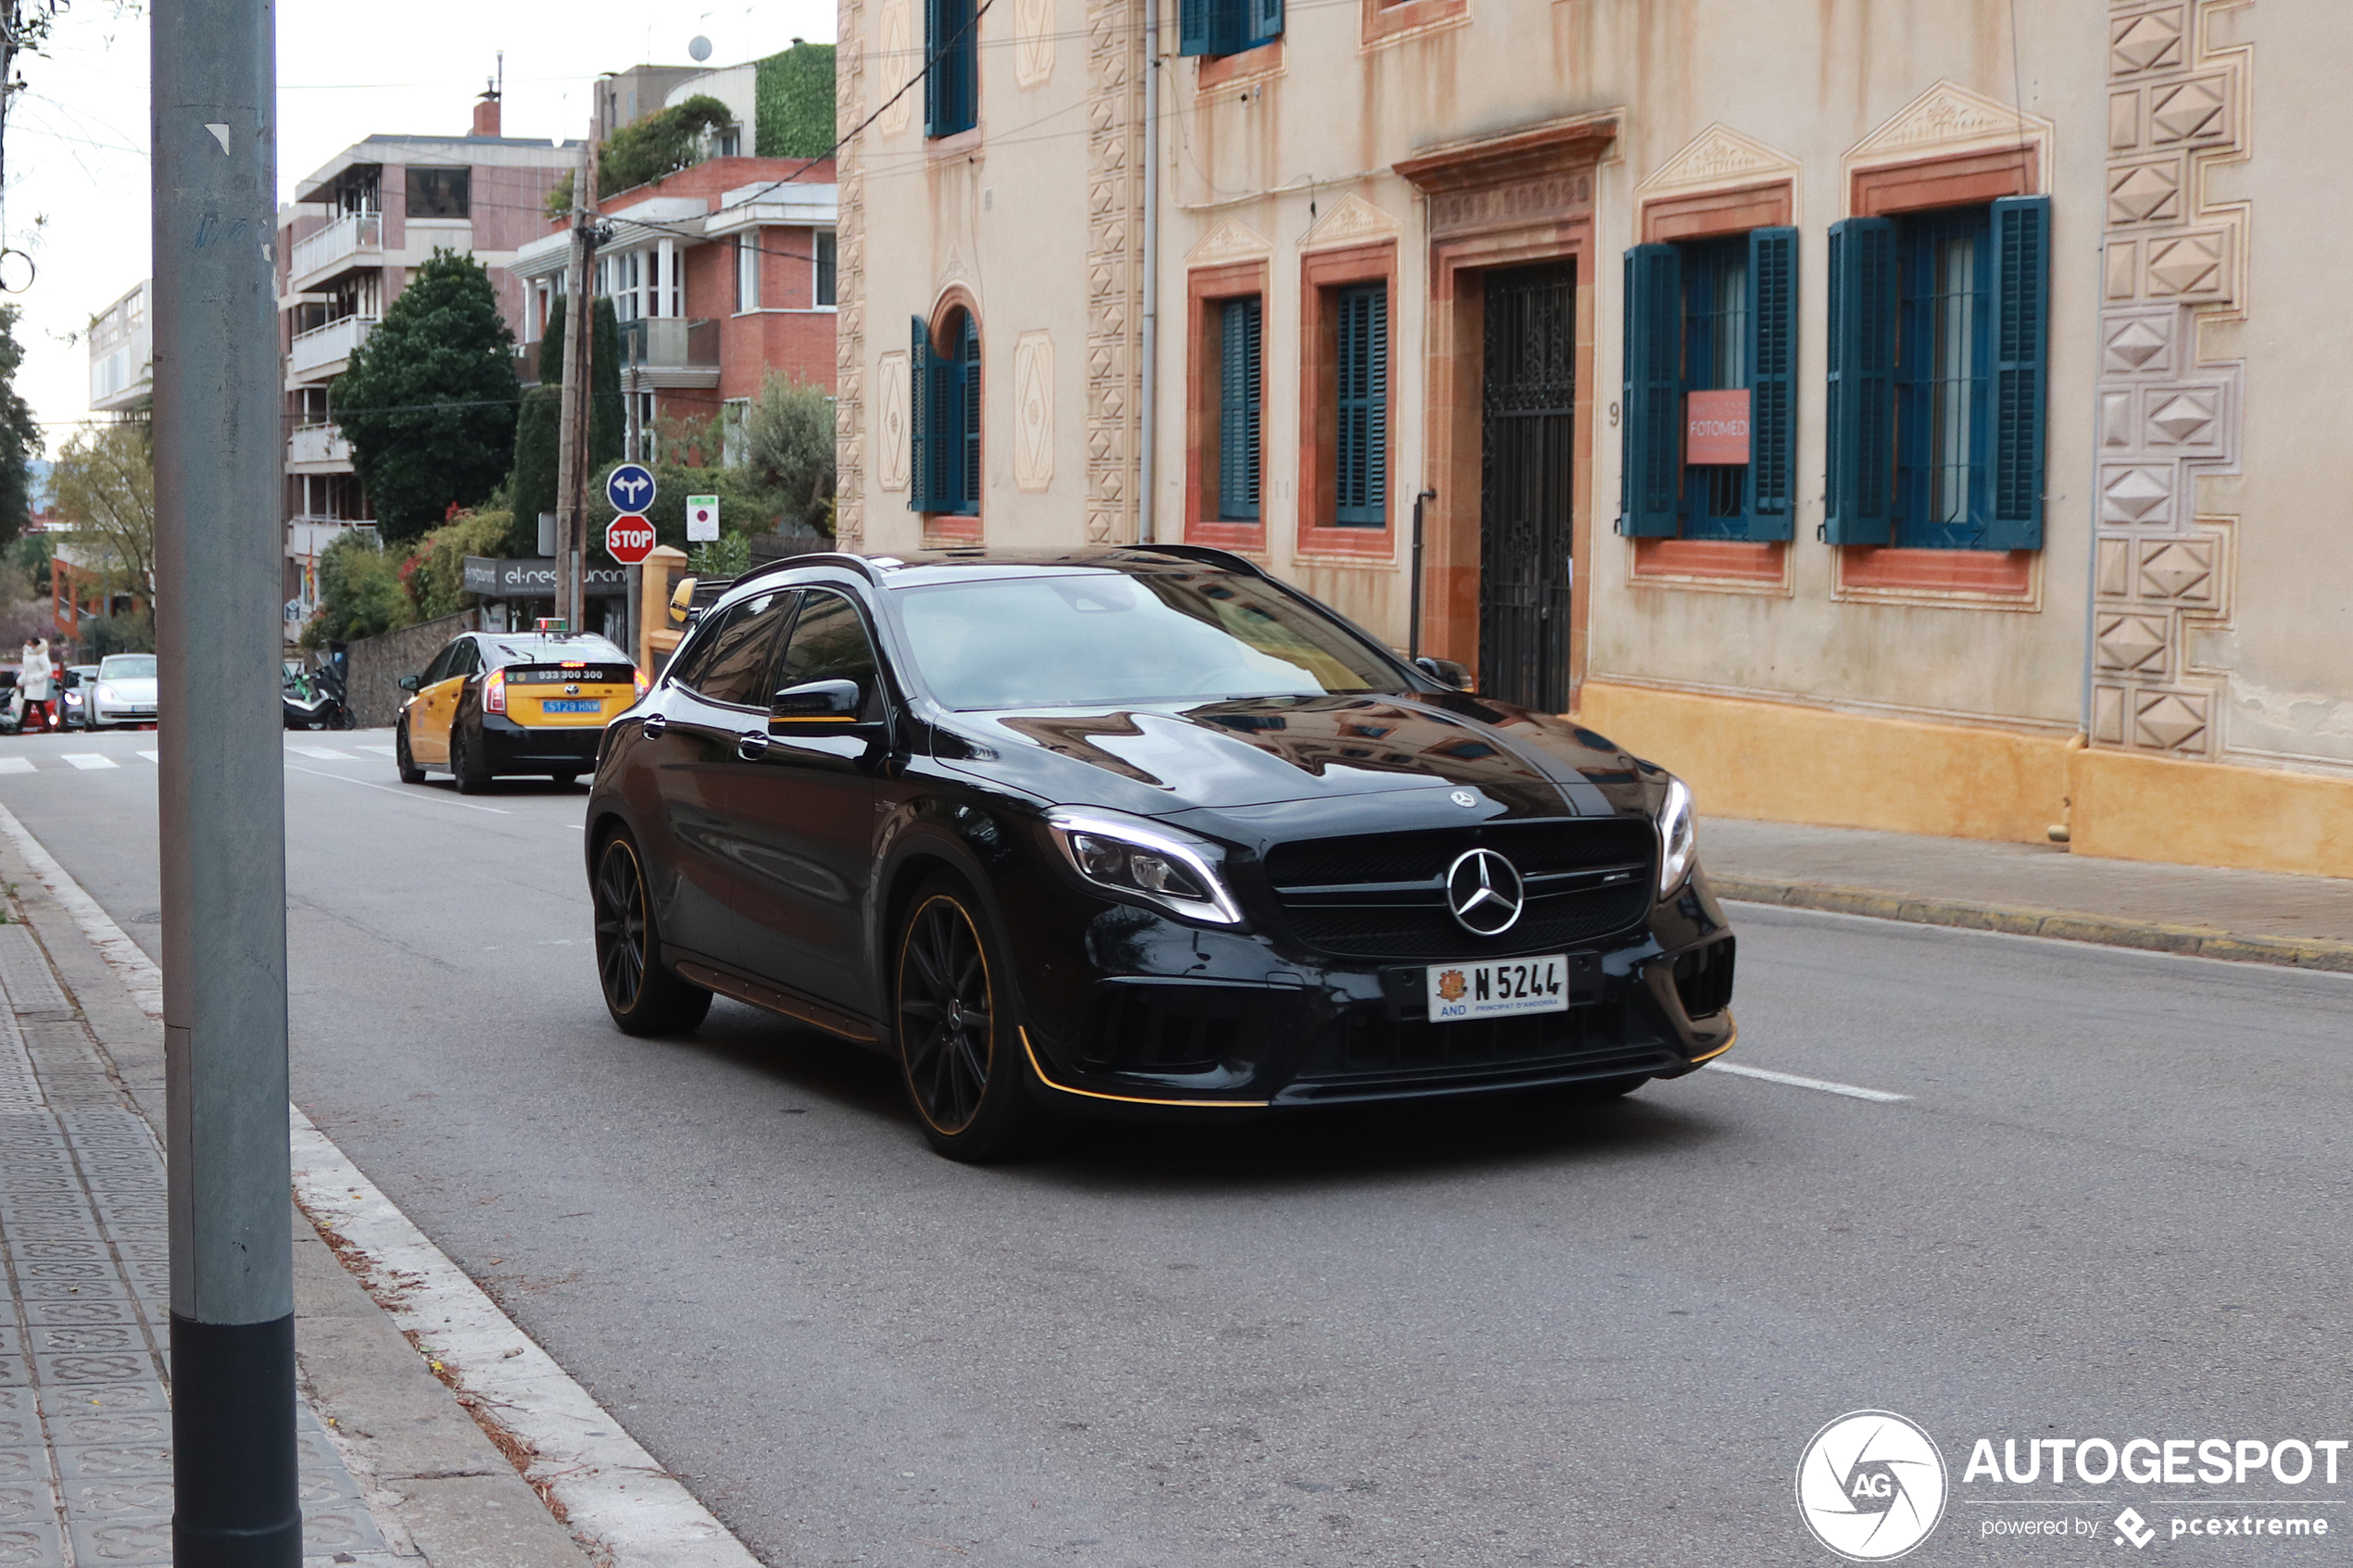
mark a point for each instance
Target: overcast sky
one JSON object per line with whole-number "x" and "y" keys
{"x": 77, "y": 136}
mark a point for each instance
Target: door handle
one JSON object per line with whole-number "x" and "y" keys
{"x": 752, "y": 745}
{"x": 655, "y": 724}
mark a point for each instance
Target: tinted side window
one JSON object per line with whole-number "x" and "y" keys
{"x": 829, "y": 643}
{"x": 731, "y": 659}
{"x": 439, "y": 669}
{"x": 467, "y": 659}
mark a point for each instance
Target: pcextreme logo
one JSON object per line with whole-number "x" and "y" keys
{"x": 1870, "y": 1485}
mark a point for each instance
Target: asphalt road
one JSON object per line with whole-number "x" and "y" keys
{"x": 2115, "y": 1202}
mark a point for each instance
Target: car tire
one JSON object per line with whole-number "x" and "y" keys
{"x": 473, "y": 777}
{"x": 403, "y": 760}
{"x": 642, "y": 994}
{"x": 959, "y": 1049}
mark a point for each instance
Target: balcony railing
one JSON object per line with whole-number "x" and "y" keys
{"x": 352, "y": 231}
{"x": 324, "y": 345}
{"x": 318, "y": 444}
{"x": 670, "y": 343}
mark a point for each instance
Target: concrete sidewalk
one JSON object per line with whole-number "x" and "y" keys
{"x": 394, "y": 1470}
{"x": 2035, "y": 890}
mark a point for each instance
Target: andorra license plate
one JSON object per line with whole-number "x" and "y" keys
{"x": 1490, "y": 990}
{"x": 575, "y": 704}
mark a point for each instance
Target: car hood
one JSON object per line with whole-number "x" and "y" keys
{"x": 1160, "y": 759}
{"x": 126, "y": 691}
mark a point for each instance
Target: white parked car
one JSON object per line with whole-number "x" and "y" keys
{"x": 123, "y": 693}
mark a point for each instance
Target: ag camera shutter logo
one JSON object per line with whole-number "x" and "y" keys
{"x": 1871, "y": 1485}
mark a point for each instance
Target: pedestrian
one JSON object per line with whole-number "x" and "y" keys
{"x": 36, "y": 681}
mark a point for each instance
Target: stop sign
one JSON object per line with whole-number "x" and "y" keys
{"x": 629, "y": 539}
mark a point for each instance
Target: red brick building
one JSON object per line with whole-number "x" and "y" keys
{"x": 720, "y": 274}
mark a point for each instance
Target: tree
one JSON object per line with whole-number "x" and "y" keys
{"x": 360, "y": 593}
{"x": 429, "y": 402}
{"x": 788, "y": 442}
{"x": 19, "y": 436}
{"x": 538, "y": 432}
{"x": 105, "y": 492}
{"x": 662, "y": 143}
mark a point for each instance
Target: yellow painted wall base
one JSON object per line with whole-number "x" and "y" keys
{"x": 1776, "y": 761}
{"x": 2135, "y": 807}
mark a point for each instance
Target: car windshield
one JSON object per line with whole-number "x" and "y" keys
{"x": 1076, "y": 640}
{"x": 128, "y": 667}
{"x": 586, "y": 647}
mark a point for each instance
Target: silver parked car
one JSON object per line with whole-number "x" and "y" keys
{"x": 123, "y": 692}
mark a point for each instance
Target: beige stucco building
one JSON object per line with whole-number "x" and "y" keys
{"x": 2021, "y": 343}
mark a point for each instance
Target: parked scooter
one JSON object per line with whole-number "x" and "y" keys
{"x": 314, "y": 700}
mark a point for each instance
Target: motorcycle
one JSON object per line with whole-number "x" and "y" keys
{"x": 314, "y": 700}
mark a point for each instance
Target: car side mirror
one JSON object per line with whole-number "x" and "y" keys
{"x": 815, "y": 700}
{"x": 407, "y": 682}
{"x": 1446, "y": 672}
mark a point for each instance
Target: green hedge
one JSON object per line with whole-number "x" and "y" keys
{"x": 794, "y": 103}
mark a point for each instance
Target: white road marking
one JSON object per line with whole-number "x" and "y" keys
{"x": 16, "y": 765}
{"x": 380, "y": 751}
{"x": 613, "y": 1492}
{"x": 91, "y": 759}
{"x": 325, "y": 753}
{"x": 407, "y": 792}
{"x": 1794, "y": 1082}
{"x": 154, "y": 757}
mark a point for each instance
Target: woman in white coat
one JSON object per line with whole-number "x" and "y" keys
{"x": 33, "y": 679}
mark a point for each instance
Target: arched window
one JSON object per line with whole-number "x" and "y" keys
{"x": 943, "y": 430}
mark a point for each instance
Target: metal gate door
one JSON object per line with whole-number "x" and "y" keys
{"x": 1528, "y": 409}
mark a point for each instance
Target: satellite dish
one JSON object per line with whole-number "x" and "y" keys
{"x": 699, "y": 49}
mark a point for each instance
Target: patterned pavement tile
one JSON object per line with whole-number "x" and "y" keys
{"x": 30, "y": 1546}
{"x": 124, "y": 1545}
{"x": 116, "y": 1461}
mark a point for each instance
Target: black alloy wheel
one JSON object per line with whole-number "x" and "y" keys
{"x": 403, "y": 758}
{"x": 643, "y": 997}
{"x": 466, "y": 763}
{"x": 959, "y": 1044}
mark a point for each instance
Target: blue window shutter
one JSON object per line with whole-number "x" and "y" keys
{"x": 1861, "y": 446}
{"x": 935, "y": 76}
{"x": 1266, "y": 22}
{"x": 1192, "y": 26}
{"x": 919, "y": 418}
{"x": 1651, "y": 459}
{"x": 1238, "y": 410}
{"x": 2021, "y": 349}
{"x": 968, "y": 413}
{"x": 949, "y": 50}
{"x": 1361, "y": 467}
{"x": 1772, "y": 382}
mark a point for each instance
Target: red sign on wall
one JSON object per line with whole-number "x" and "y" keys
{"x": 1716, "y": 427}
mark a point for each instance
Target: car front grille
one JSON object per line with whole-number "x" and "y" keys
{"x": 1383, "y": 895}
{"x": 1369, "y": 1046}
{"x": 1179, "y": 1029}
{"x": 1704, "y": 979}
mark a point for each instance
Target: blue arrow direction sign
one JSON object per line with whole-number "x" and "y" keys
{"x": 630, "y": 488}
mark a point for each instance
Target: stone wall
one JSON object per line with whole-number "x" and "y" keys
{"x": 377, "y": 663}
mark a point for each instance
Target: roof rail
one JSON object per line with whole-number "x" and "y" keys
{"x": 1207, "y": 555}
{"x": 816, "y": 558}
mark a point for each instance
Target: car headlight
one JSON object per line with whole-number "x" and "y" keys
{"x": 73, "y": 696}
{"x": 106, "y": 693}
{"x": 1148, "y": 862}
{"x": 1678, "y": 837}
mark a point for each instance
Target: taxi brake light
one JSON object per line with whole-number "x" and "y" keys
{"x": 575, "y": 664}
{"x": 643, "y": 683}
{"x": 494, "y": 692}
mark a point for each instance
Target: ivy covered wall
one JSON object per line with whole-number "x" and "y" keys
{"x": 795, "y": 102}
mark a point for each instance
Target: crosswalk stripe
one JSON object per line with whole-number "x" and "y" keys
{"x": 383, "y": 750}
{"x": 326, "y": 752}
{"x": 154, "y": 757}
{"x": 91, "y": 759}
{"x": 16, "y": 765}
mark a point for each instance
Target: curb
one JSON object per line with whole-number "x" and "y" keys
{"x": 2025, "y": 919}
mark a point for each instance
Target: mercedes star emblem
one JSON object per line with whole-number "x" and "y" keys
{"x": 1485, "y": 892}
{"x": 1464, "y": 798}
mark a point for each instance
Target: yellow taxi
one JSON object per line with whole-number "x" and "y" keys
{"x": 499, "y": 704}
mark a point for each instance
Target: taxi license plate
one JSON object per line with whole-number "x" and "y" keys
{"x": 1490, "y": 990}
{"x": 580, "y": 705}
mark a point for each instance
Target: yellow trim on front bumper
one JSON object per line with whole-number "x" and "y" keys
{"x": 1726, "y": 1045}
{"x": 1134, "y": 1099}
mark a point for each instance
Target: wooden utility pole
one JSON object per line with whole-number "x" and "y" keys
{"x": 575, "y": 412}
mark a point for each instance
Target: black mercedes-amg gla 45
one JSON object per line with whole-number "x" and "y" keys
{"x": 1137, "y": 832}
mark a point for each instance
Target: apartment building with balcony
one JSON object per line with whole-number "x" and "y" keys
{"x": 123, "y": 353}
{"x": 719, "y": 275}
{"x": 359, "y": 226}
